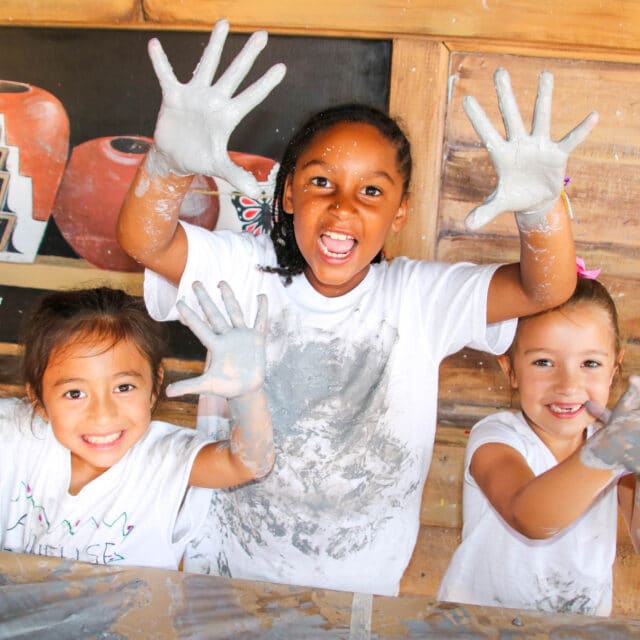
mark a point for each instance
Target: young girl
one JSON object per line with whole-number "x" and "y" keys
{"x": 85, "y": 473}
{"x": 539, "y": 524}
{"x": 355, "y": 341}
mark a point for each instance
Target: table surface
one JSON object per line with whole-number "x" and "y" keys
{"x": 54, "y": 598}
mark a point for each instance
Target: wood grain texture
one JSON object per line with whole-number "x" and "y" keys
{"x": 588, "y": 23}
{"x": 70, "y": 11}
{"x": 418, "y": 92}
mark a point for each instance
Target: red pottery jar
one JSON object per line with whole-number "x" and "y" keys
{"x": 93, "y": 189}
{"x": 37, "y": 123}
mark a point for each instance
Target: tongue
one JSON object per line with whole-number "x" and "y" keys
{"x": 338, "y": 246}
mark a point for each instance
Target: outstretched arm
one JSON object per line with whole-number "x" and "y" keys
{"x": 236, "y": 372}
{"x": 191, "y": 137}
{"x": 531, "y": 171}
{"x": 542, "y": 506}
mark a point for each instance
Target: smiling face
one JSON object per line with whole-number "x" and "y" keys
{"x": 560, "y": 360}
{"x": 98, "y": 398}
{"x": 345, "y": 195}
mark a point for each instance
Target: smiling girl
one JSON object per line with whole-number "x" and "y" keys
{"x": 539, "y": 524}
{"x": 85, "y": 473}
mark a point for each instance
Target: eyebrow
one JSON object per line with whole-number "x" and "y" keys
{"x": 133, "y": 374}
{"x": 552, "y": 352}
{"x": 375, "y": 174}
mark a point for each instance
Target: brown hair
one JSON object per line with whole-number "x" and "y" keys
{"x": 587, "y": 291}
{"x": 96, "y": 315}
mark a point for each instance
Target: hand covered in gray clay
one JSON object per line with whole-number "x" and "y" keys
{"x": 530, "y": 167}
{"x": 236, "y": 364}
{"x": 617, "y": 445}
{"x": 197, "y": 118}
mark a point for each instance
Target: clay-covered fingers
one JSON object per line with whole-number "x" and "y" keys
{"x": 490, "y": 137}
{"x": 617, "y": 445}
{"x": 217, "y": 322}
{"x": 236, "y": 72}
{"x": 206, "y": 69}
{"x": 541, "y": 125}
{"x": 630, "y": 399}
{"x": 511, "y": 117}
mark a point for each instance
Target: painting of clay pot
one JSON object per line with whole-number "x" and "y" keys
{"x": 37, "y": 124}
{"x": 93, "y": 189}
{"x": 98, "y": 177}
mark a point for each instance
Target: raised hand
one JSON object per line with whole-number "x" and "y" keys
{"x": 197, "y": 118}
{"x": 617, "y": 445}
{"x": 236, "y": 352}
{"x": 530, "y": 167}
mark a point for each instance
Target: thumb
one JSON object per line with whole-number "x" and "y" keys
{"x": 481, "y": 215}
{"x": 600, "y": 413}
{"x": 194, "y": 386}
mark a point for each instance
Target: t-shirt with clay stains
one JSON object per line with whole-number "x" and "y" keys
{"x": 352, "y": 384}
{"x": 497, "y": 566}
{"x": 141, "y": 511}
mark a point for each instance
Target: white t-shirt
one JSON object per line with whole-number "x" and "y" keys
{"x": 141, "y": 511}
{"x": 352, "y": 384}
{"x": 497, "y": 566}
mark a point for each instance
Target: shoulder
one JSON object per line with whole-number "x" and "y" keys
{"x": 504, "y": 427}
{"x": 239, "y": 241}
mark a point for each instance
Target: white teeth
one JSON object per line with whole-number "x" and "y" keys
{"x": 112, "y": 437}
{"x": 558, "y": 409}
{"x": 338, "y": 236}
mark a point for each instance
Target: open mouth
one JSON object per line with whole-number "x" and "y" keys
{"x": 336, "y": 245}
{"x": 103, "y": 440}
{"x": 566, "y": 410}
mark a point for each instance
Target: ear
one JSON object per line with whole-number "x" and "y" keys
{"x": 402, "y": 215}
{"x": 616, "y": 368}
{"x": 287, "y": 195}
{"x": 504, "y": 361}
{"x": 157, "y": 387}
{"x": 38, "y": 407}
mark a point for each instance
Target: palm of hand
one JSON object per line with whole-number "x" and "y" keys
{"x": 237, "y": 363}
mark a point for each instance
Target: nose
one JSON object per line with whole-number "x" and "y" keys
{"x": 567, "y": 380}
{"x": 342, "y": 205}
{"x": 102, "y": 408}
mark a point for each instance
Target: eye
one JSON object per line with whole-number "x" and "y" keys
{"x": 74, "y": 394}
{"x": 320, "y": 181}
{"x": 124, "y": 387}
{"x": 542, "y": 362}
{"x": 372, "y": 191}
{"x": 591, "y": 364}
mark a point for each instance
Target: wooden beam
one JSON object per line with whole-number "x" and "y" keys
{"x": 418, "y": 93}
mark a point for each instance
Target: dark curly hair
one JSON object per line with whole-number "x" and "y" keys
{"x": 94, "y": 314}
{"x": 290, "y": 259}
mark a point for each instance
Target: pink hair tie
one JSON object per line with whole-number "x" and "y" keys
{"x": 589, "y": 274}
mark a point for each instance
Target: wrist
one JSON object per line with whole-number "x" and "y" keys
{"x": 550, "y": 216}
{"x": 158, "y": 163}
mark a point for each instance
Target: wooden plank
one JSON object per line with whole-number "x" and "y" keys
{"x": 588, "y": 23}
{"x": 55, "y": 273}
{"x": 142, "y": 602}
{"x": 69, "y": 11}
{"x": 419, "y": 72}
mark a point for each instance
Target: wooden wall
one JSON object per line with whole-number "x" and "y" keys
{"x": 443, "y": 50}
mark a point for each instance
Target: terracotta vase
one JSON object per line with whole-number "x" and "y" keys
{"x": 93, "y": 188}
{"x": 37, "y": 123}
